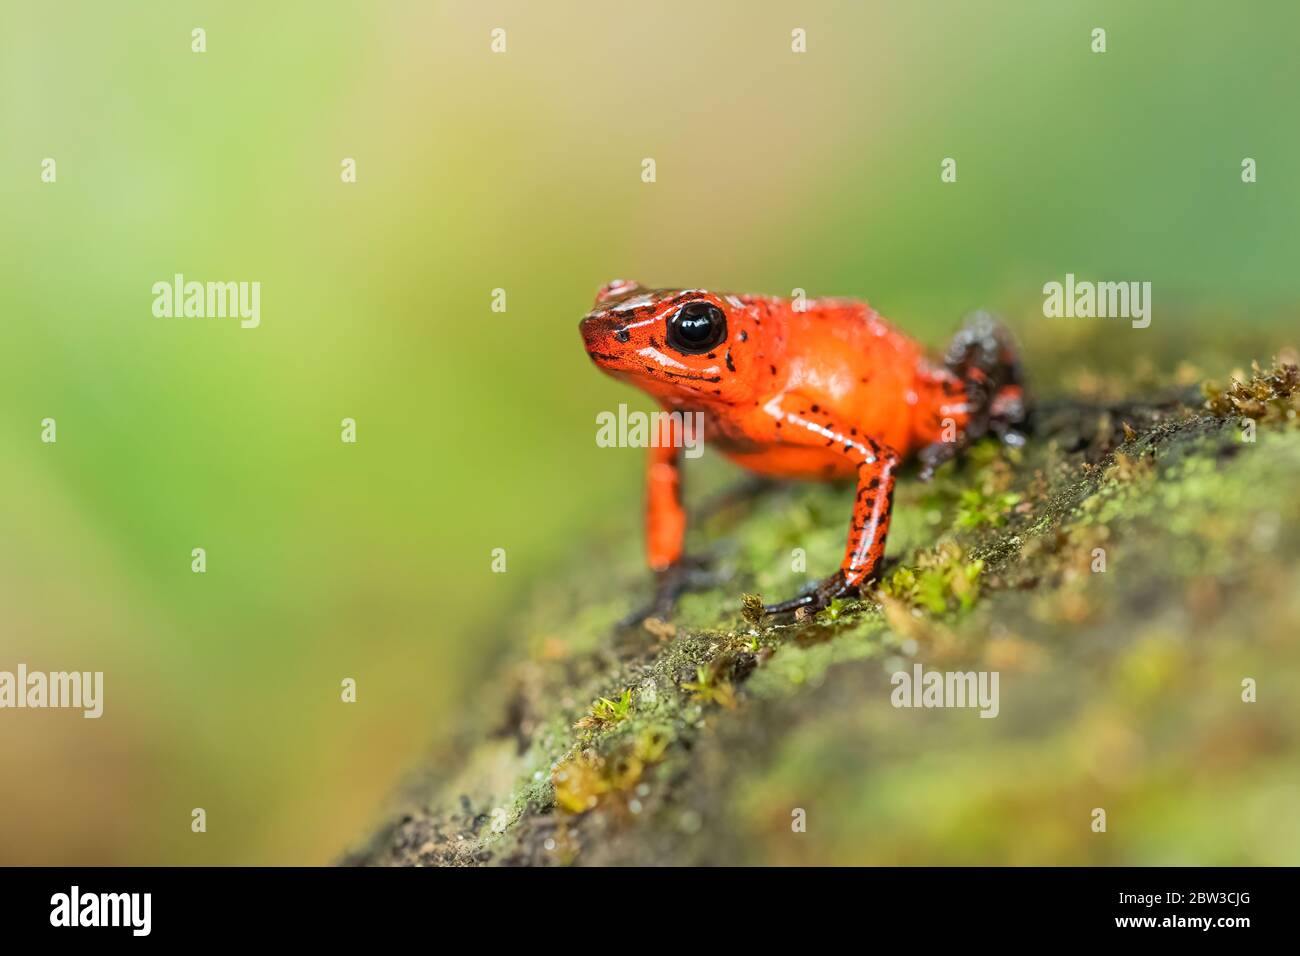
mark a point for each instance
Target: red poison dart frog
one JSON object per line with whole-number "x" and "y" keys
{"x": 816, "y": 389}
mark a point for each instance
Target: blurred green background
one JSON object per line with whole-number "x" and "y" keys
{"x": 476, "y": 429}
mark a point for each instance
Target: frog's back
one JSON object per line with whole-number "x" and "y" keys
{"x": 863, "y": 369}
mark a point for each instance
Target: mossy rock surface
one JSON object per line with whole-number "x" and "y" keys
{"x": 1123, "y": 574}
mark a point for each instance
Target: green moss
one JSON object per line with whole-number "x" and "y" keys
{"x": 1123, "y": 573}
{"x": 975, "y": 508}
{"x": 941, "y": 582}
{"x": 606, "y": 713}
{"x": 709, "y": 687}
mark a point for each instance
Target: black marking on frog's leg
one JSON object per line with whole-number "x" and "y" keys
{"x": 869, "y": 528}
{"x": 817, "y": 597}
{"x": 689, "y": 573}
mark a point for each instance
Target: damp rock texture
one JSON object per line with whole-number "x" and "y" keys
{"x": 1131, "y": 576}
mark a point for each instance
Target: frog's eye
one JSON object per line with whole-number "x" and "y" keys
{"x": 697, "y": 327}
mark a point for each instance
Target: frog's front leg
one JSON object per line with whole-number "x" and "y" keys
{"x": 867, "y": 532}
{"x": 665, "y": 528}
{"x": 665, "y": 518}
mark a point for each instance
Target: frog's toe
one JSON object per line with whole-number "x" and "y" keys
{"x": 636, "y": 618}
{"x": 687, "y": 574}
{"x": 808, "y": 599}
{"x": 1011, "y": 416}
{"x": 818, "y": 597}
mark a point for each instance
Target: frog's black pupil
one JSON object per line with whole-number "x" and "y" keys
{"x": 698, "y": 327}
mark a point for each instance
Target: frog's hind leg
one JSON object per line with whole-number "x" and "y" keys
{"x": 983, "y": 355}
{"x": 984, "y": 358}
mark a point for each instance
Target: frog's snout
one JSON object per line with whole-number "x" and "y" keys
{"x": 602, "y": 335}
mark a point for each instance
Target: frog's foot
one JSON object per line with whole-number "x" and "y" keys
{"x": 933, "y": 455}
{"x": 1006, "y": 415}
{"x": 684, "y": 575}
{"x": 819, "y": 597}
{"x": 1009, "y": 415}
